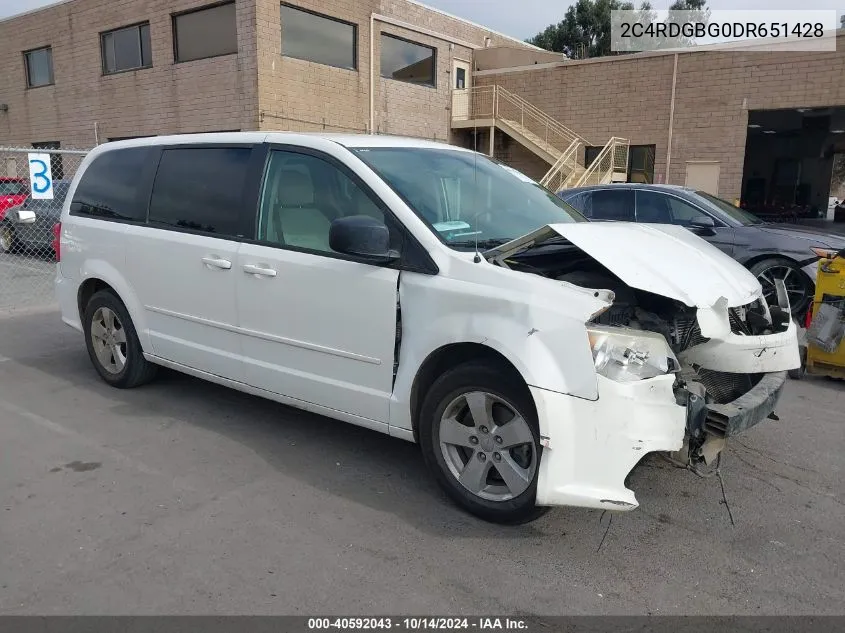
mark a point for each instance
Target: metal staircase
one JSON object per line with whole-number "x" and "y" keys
{"x": 560, "y": 147}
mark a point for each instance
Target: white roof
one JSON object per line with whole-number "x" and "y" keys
{"x": 347, "y": 140}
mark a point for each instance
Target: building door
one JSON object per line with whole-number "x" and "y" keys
{"x": 461, "y": 84}
{"x": 704, "y": 176}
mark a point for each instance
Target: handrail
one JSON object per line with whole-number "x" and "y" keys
{"x": 494, "y": 102}
{"x": 527, "y": 105}
{"x": 607, "y": 157}
{"x": 569, "y": 156}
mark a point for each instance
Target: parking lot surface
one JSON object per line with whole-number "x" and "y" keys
{"x": 185, "y": 497}
{"x": 25, "y": 282}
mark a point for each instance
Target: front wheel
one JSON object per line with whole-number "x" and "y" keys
{"x": 8, "y": 239}
{"x": 480, "y": 436}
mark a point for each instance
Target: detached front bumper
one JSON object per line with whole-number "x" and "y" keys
{"x": 590, "y": 446}
{"x": 752, "y": 407}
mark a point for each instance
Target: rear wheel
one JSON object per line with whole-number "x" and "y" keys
{"x": 8, "y": 239}
{"x": 113, "y": 344}
{"x": 799, "y": 288}
{"x": 480, "y": 437}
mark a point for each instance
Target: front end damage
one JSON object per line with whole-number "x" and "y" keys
{"x": 678, "y": 372}
{"x": 732, "y": 380}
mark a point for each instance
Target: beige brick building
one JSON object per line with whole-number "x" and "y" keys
{"x": 720, "y": 114}
{"x": 761, "y": 125}
{"x": 73, "y": 73}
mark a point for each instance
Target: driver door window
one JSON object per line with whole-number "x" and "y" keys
{"x": 657, "y": 208}
{"x": 302, "y": 196}
{"x": 653, "y": 208}
{"x": 683, "y": 213}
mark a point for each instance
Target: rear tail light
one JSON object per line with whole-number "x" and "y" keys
{"x": 809, "y": 317}
{"x": 57, "y": 245}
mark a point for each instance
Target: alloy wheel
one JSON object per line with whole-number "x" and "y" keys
{"x": 109, "y": 340}
{"x": 7, "y": 238}
{"x": 796, "y": 287}
{"x": 488, "y": 446}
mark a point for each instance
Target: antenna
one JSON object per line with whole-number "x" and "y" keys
{"x": 477, "y": 258}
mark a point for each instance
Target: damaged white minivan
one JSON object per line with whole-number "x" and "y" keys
{"x": 424, "y": 291}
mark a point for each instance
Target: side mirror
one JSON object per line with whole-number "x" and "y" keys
{"x": 703, "y": 222}
{"x": 23, "y": 216}
{"x": 361, "y": 236}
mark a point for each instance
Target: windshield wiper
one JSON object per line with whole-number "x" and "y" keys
{"x": 482, "y": 244}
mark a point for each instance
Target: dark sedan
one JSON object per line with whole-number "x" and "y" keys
{"x": 34, "y": 234}
{"x": 770, "y": 251}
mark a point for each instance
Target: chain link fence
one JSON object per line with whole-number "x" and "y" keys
{"x": 33, "y": 186}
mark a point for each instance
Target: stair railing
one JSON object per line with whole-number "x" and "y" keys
{"x": 611, "y": 164}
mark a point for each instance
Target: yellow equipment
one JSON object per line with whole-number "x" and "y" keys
{"x": 824, "y": 353}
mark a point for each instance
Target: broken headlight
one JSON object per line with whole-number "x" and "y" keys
{"x": 626, "y": 355}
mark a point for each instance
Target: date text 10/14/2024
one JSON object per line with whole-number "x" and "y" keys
{"x": 417, "y": 624}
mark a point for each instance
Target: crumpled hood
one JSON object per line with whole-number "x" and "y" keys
{"x": 660, "y": 258}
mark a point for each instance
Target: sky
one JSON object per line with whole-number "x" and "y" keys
{"x": 520, "y": 18}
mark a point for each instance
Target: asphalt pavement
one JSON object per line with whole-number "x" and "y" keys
{"x": 182, "y": 497}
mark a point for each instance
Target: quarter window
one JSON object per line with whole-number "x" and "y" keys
{"x": 200, "y": 189}
{"x": 39, "y": 67}
{"x": 318, "y": 38}
{"x": 301, "y": 197}
{"x": 407, "y": 61}
{"x": 109, "y": 187}
{"x": 207, "y": 32}
{"x": 126, "y": 49}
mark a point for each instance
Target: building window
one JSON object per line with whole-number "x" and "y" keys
{"x": 318, "y": 38}
{"x": 591, "y": 152}
{"x": 126, "y": 49}
{"x": 39, "y": 67}
{"x": 408, "y": 61}
{"x": 206, "y": 32}
{"x": 641, "y": 163}
{"x": 56, "y": 165}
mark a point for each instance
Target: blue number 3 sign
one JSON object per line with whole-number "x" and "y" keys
{"x": 40, "y": 179}
{"x": 40, "y": 176}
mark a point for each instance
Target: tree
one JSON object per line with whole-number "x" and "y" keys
{"x": 585, "y": 28}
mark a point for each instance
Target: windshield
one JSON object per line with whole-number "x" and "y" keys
{"x": 466, "y": 197}
{"x": 740, "y": 215}
{"x": 13, "y": 188}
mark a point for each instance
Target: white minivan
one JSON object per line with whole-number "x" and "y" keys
{"x": 427, "y": 292}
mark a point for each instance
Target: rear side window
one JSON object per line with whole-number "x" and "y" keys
{"x": 200, "y": 189}
{"x": 109, "y": 188}
{"x": 613, "y": 204}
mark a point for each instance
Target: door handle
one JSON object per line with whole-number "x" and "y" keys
{"x": 216, "y": 262}
{"x": 252, "y": 269}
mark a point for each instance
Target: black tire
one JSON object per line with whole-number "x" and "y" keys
{"x": 10, "y": 244}
{"x": 466, "y": 378}
{"x": 798, "y": 373}
{"x": 771, "y": 263}
{"x": 136, "y": 370}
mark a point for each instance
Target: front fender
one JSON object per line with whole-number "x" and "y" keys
{"x": 548, "y": 346}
